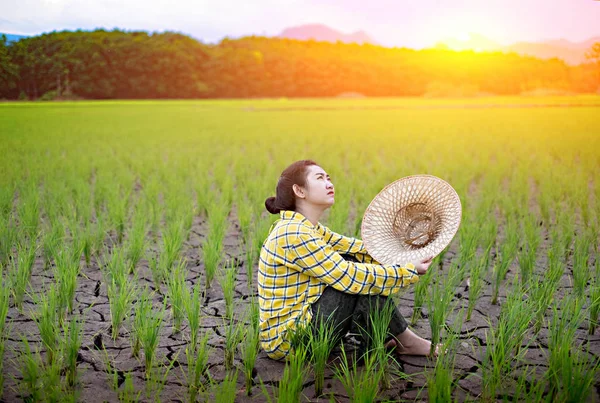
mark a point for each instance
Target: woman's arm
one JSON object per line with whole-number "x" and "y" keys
{"x": 313, "y": 256}
{"x": 344, "y": 244}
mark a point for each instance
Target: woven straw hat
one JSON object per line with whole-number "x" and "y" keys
{"x": 412, "y": 218}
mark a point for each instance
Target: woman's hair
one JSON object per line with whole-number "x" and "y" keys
{"x": 295, "y": 174}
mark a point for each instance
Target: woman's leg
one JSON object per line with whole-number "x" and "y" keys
{"x": 336, "y": 307}
{"x": 399, "y": 337}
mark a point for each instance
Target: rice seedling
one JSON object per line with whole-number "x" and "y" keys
{"x": 136, "y": 244}
{"x": 87, "y": 242}
{"x": 191, "y": 307}
{"x": 8, "y": 237}
{"x": 172, "y": 244}
{"x": 224, "y": 183}
{"x": 187, "y": 218}
{"x": 28, "y": 211}
{"x": 82, "y": 194}
{"x": 227, "y": 281}
{"x": 217, "y": 219}
{"x": 66, "y": 272}
{"x": 142, "y": 310}
{"x": 150, "y": 336}
{"x": 529, "y": 247}
{"x": 468, "y": 242}
{"x": 158, "y": 270}
{"x": 378, "y": 333}
{"x": 572, "y": 371}
{"x": 101, "y": 190}
{"x": 439, "y": 303}
{"x": 204, "y": 194}
{"x": 31, "y": 372}
{"x": 261, "y": 232}
{"x": 294, "y": 374}
{"x": 566, "y": 226}
{"x": 117, "y": 210}
{"x": 244, "y": 214}
{"x": 490, "y": 230}
{"x": 173, "y": 200}
{"x": 51, "y": 242}
{"x": 177, "y": 289}
{"x": 361, "y": 385}
{"x": 114, "y": 377}
{"x": 252, "y": 254}
{"x": 506, "y": 255}
{"x": 127, "y": 393}
{"x": 249, "y": 350}
{"x": 213, "y": 246}
{"x": 212, "y": 250}
{"x": 594, "y": 309}
{"x": 476, "y": 280}
{"x": 115, "y": 268}
{"x": 504, "y": 342}
{"x": 581, "y": 272}
{"x": 542, "y": 291}
{"x": 233, "y": 336}
{"x": 119, "y": 299}
{"x": 527, "y": 390}
{"x": 7, "y": 193}
{"x": 226, "y": 391}
{"x": 318, "y": 341}
{"x": 4, "y": 301}
{"x": 20, "y": 272}
{"x": 421, "y": 289}
{"x": 70, "y": 346}
{"x": 99, "y": 234}
{"x": 440, "y": 379}
{"x": 254, "y": 310}
{"x": 46, "y": 319}
{"x": 156, "y": 383}
{"x": 154, "y": 210}
{"x": 197, "y": 365}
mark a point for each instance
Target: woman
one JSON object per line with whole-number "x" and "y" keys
{"x": 302, "y": 271}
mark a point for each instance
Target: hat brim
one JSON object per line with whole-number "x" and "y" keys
{"x": 425, "y": 207}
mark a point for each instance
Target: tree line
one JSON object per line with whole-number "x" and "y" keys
{"x": 118, "y": 64}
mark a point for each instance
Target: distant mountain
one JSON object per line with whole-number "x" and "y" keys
{"x": 320, "y": 32}
{"x": 12, "y": 37}
{"x": 571, "y": 52}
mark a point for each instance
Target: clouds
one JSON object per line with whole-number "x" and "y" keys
{"x": 391, "y": 22}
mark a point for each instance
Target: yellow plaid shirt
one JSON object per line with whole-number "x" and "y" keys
{"x": 298, "y": 260}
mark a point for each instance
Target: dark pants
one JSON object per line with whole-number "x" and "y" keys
{"x": 351, "y": 312}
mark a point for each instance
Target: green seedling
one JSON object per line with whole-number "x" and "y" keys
{"x": 227, "y": 281}
{"x": 197, "y": 366}
{"x": 177, "y": 289}
{"x": 233, "y": 336}
{"x": 226, "y": 391}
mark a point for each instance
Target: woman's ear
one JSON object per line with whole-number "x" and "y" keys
{"x": 298, "y": 191}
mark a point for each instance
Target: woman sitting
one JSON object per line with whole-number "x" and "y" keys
{"x": 302, "y": 275}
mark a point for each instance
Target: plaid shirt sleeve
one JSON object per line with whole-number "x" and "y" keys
{"x": 344, "y": 244}
{"x": 315, "y": 257}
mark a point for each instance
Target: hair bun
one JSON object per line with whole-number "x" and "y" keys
{"x": 270, "y": 205}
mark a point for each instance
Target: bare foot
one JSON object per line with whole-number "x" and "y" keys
{"x": 409, "y": 343}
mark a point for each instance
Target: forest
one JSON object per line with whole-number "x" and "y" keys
{"x": 121, "y": 64}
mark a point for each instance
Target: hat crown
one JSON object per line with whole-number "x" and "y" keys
{"x": 413, "y": 217}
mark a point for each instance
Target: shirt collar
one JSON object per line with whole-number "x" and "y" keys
{"x": 296, "y": 216}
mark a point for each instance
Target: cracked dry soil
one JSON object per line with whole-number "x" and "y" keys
{"x": 94, "y": 383}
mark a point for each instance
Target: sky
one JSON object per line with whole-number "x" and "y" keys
{"x": 409, "y": 23}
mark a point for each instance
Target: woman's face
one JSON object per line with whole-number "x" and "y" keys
{"x": 318, "y": 189}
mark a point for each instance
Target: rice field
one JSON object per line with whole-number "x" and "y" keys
{"x": 130, "y": 233}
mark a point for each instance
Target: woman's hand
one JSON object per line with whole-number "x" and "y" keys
{"x": 422, "y": 265}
